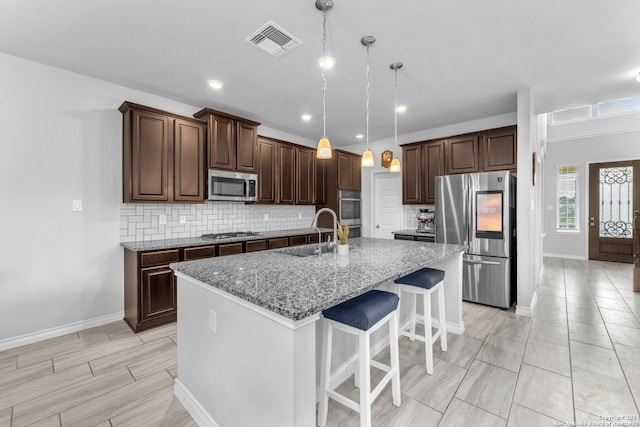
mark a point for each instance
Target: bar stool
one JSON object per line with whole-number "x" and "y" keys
{"x": 425, "y": 282}
{"x": 360, "y": 316}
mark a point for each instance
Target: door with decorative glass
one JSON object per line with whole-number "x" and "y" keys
{"x": 614, "y": 192}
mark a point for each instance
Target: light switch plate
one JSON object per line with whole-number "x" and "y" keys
{"x": 183, "y": 219}
{"x": 77, "y": 206}
{"x": 162, "y": 219}
{"x": 266, "y": 217}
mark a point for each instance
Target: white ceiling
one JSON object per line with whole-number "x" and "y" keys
{"x": 463, "y": 60}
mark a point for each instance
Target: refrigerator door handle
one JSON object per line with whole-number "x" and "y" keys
{"x": 471, "y": 261}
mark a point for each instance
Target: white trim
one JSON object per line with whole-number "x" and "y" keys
{"x": 289, "y": 323}
{"x": 567, "y": 256}
{"x": 521, "y": 310}
{"x": 191, "y": 404}
{"x": 59, "y": 331}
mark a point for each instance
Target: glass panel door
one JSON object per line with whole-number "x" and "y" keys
{"x": 616, "y": 202}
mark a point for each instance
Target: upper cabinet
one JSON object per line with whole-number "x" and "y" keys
{"x": 163, "y": 156}
{"x": 348, "y": 165}
{"x": 233, "y": 141}
{"x": 286, "y": 174}
{"x": 305, "y": 175}
{"x": 267, "y": 179}
{"x": 485, "y": 151}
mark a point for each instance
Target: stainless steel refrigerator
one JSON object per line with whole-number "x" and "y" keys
{"x": 479, "y": 210}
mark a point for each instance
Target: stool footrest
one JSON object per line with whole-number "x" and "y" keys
{"x": 380, "y": 366}
{"x": 382, "y": 384}
{"x": 344, "y": 400}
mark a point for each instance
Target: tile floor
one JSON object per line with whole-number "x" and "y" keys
{"x": 577, "y": 359}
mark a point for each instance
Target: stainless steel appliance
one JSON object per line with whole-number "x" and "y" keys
{"x": 232, "y": 186}
{"x": 426, "y": 221}
{"x": 478, "y": 210}
{"x": 349, "y": 211}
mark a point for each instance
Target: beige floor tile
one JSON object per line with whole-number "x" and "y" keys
{"x": 548, "y": 355}
{"x": 462, "y": 414}
{"x": 596, "y": 359}
{"x": 551, "y": 300}
{"x": 589, "y": 334}
{"x": 95, "y": 352}
{"x": 601, "y": 395}
{"x": 70, "y": 396}
{"x": 461, "y": 350}
{"x": 525, "y": 417}
{"x": 7, "y": 365}
{"x": 5, "y": 417}
{"x": 115, "y": 328}
{"x": 629, "y": 357}
{"x": 50, "y": 421}
{"x": 608, "y": 291}
{"x": 478, "y": 328}
{"x": 584, "y": 315}
{"x": 18, "y": 376}
{"x": 58, "y": 350}
{"x": 502, "y": 352}
{"x": 162, "y": 409}
{"x": 29, "y": 348}
{"x": 588, "y": 419}
{"x": 131, "y": 355}
{"x": 115, "y": 402}
{"x": 550, "y": 314}
{"x": 488, "y": 387}
{"x": 173, "y": 371}
{"x": 549, "y": 331}
{"x": 153, "y": 363}
{"x": 48, "y": 384}
{"x": 545, "y": 392}
{"x": 411, "y": 413}
{"x": 582, "y": 292}
{"x": 158, "y": 333}
{"x": 478, "y": 311}
{"x": 512, "y": 327}
{"x": 622, "y": 318}
{"x": 612, "y": 303}
{"x": 434, "y": 390}
{"x": 624, "y": 335}
{"x": 550, "y": 290}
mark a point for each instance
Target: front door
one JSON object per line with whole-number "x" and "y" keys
{"x": 614, "y": 192}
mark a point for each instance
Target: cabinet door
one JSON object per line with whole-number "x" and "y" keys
{"x": 462, "y": 154}
{"x": 189, "y": 161}
{"x": 411, "y": 175}
{"x": 158, "y": 293}
{"x": 247, "y": 147}
{"x": 151, "y": 154}
{"x": 356, "y": 177}
{"x": 432, "y": 166}
{"x": 305, "y": 176}
{"x": 222, "y": 142}
{"x": 500, "y": 150}
{"x": 286, "y": 174}
{"x": 267, "y": 154}
{"x": 344, "y": 171}
{"x": 321, "y": 186}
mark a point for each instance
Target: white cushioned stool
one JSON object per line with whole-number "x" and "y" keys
{"x": 360, "y": 316}
{"x": 425, "y": 282}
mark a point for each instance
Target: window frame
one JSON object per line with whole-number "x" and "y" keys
{"x": 576, "y": 209}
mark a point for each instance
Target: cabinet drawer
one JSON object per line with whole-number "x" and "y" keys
{"x": 297, "y": 240}
{"x": 199, "y": 252}
{"x": 403, "y": 237}
{"x": 230, "y": 249}
{"x": 313, "y": 238}
{"x": 158, "y": 258}
{"x": 281, "y": 242}
{"x": 256, "y": 245}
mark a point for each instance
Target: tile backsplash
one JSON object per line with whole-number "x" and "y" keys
{"x": 410, "y": 212}
{"x": 141, "y": 221}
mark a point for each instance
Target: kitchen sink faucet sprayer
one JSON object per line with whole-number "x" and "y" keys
{"x": 333, "y": 244}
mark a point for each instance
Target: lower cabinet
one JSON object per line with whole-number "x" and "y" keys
{"x": 424, "y": 238}
{"x": 158, "y": 294}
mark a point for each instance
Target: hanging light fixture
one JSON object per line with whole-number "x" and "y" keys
{"x": 395, "y": 167}
{"x": 323, "y": 150}
{"x": 367, "y": 156}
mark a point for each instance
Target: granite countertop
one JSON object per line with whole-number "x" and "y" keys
{"x": 413, "y": 232}
{"x": 298, "y": 287}
{"x": 150, "y": 245}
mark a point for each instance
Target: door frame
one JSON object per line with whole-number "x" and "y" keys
{"x": 374, "y": 202}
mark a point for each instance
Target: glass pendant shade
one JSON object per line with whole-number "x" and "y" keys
{"x": 394, "y": 167}
{"x": 324, "y": 149}
{"x": 367, "y": 159}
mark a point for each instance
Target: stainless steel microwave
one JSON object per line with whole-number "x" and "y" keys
{"x": 232, "y": 186}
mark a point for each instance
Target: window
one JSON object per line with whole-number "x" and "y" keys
{"x": 571, "y": 114}
{"x": 601, "y": 109}
{"x": 567, "y": 213}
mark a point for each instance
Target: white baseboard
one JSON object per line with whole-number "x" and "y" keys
{"x": 527, "y": 311}
{"x": 578, "y": 257}
{"x": 59, "y": 331}
{"x": 191, "y": 404}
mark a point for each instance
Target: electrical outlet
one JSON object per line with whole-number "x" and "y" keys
{"x": 299, "y": 215}
{"x": 266, "y": 217}
{"x": 162, "y": 219}
{"x": 213, "y": 321}
{"x": 183, "y": 219}
{"x": 77, "y": 206}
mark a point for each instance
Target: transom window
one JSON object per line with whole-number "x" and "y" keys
{"x": 587, "y": 112}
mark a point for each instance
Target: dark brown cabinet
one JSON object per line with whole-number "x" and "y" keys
{"x": 421, "y": 164}
{"x": 412, "y": 174}
{"x": 500, "y": 150}
{"x": 320, "y": 194}
{"x": 462, "y": 154}
{"x": 305, "y": 175}
{"x": 267, "y": 177}
{"x": 158, "y": 294}
{"x": 339, "y": 173}
{"x": 286, "y": 174}
{"x": 433, "y": 165}
{"x": 349, "y": 173}
{"x": 163, "y": 156}
{"x": 232, "y": 141}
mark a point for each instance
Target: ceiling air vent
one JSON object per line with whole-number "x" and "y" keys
{"x": 273, "y": 39}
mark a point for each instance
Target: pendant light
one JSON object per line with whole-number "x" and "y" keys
{"x": 323, "y": 150}
{"x": 395, "y": 167}
{"x": 367, "y": 156}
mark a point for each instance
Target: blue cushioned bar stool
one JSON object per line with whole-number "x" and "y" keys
{"x": 425, "y": 282}
{"x": 360, "y": 316}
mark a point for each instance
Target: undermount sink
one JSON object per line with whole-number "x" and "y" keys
{"x": 306, "y": 251}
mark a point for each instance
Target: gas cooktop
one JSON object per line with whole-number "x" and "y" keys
{"x": 230, "y": 235}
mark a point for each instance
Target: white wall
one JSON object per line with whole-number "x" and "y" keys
{"x": 62, "y": 140}
{"x": 582, "y": 143}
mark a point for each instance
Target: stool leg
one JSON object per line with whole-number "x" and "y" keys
{"x": 395, "y": 359}
{"x": 443, "y": 319}
{"x": 428, "y": 341}
{"x": 412, "y": 327}
{"x": 356, "y": 375}
{"x": 365, "y": 380}
{"x": 325, "y": 373}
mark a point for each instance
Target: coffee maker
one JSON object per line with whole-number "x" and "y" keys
{"x": 426, "y": 221}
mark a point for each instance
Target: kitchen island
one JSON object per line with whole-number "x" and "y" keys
{"x": 248, "y": 344}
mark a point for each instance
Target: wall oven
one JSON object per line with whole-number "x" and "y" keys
{"x": 232, "y": 186}
{"x": 349, "y": 211}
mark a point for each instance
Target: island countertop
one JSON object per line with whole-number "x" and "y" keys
{"x": 299, "y": 287}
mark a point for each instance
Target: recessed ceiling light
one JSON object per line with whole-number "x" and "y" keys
{"x": 215, "y": 84}
{"x": 401, "y": 108}
{"x": 306, "y": 117}
{"x": 359, "y": 136}
{"x": 327, "y": 62}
